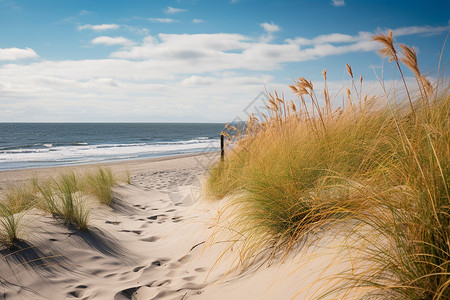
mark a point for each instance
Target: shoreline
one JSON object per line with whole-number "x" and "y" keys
{"x": 116, "y": 166}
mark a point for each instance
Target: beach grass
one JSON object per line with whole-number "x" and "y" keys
{"x": 72, "y": 208}
{"x": 63, "y": 198}
{"x": 19, "y": 196}
{"x": 375, "y": 161}
{"x": 15, "y": 201}
{"x": 100, "y": 185}
{"x": 10, "y": 225}
{"x": 66, "y": 197}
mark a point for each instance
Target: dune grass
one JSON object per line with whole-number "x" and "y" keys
{"x": 72, "y": 207}
{"x": 15, "y": 201}
{"x": 66, "y": 197}
{"x": 100, "y": 185}
{"x": 10, "y": 226}
{"x": 19, "y": 197}
{"x": 383, "y": 163}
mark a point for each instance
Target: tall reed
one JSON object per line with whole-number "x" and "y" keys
{"x": 374, "y": 160}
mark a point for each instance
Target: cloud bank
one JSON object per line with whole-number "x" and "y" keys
{"x": 164, "y": 77}
{"x": 13, "y": 54}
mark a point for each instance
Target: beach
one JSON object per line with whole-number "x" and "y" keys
{"x": 153, "y": 242}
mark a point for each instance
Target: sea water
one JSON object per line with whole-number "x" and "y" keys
{"x": 32, "y": 145}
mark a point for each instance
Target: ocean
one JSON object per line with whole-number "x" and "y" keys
{"x": 33, "y": 145}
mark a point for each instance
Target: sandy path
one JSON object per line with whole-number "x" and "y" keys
{"x": 135, "y": 242}
{"x": 152, "y": 243}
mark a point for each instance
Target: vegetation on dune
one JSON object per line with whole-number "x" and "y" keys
{"x": 382, "y": 163}
{"x": 66, "y": 198}
{"x": 15, "y": 201}
{"x": 100, "y": 184}
{"x": 10, "y": 226}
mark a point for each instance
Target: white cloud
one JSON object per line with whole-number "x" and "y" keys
{"x": 165, "y": 77}
{"x": 197, "y": 53}
{"x": 173, "y": 10}
{"x": 420, "y": 30}
{"x": 111, "y": 41}
{"x": 162, "y": 20}
{"x": 184, "y": 47}
{"x": 337, "y": 2}
{"x": 197, "y": 21}
{"x": 334, "y": 38}
{"x": 101, "y": 27}
{"x": 270, "y": 27}
{"x": 12, "y": 54}
{"x": 112, "y": 90}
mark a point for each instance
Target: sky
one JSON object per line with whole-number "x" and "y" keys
{"x": 195, "y": 60}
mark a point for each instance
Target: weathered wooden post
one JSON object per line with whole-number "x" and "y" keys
{"x": 222, "y": 147}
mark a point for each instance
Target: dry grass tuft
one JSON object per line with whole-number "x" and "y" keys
{"x": 304, "y": 167}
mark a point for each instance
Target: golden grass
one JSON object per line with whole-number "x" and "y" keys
{"x": 373, "y": 161}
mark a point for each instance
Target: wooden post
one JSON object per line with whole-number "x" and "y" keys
{"x": 222, "y": 147}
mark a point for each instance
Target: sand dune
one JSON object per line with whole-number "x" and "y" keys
{"x": 152, "y": 243}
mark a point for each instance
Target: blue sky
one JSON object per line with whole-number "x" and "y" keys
{"x": 193, "y": 60}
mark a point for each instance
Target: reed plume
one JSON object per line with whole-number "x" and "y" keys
{"x": 390, "y": 52}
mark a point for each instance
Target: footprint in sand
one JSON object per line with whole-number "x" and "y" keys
{"x": 156, "y": 263}
{"x": 177, "y": 219}
{"x": 150, "y": 239}
{"x": 138, "y": 232}
{"x": 160, "y": 262}
{"x": 140, "y": 206}
{"x": 81, "y": 286}
{"x": 200, "y": 270}
{"x": 164, "y": 283}
{"x": 158, "y": 217}
{"x": 126, "y": 294}
{"x": 189, "y": 278}
{"x": 113, "y": 222}
{"x": 78, "y": 292}
{"x": 96, "y": 257}
{"x": 137, "y": 269}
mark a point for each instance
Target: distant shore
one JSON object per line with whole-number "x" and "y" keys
{"x": 117, "y": 166}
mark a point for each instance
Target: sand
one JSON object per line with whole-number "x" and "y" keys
{"x": 152, "y": 243}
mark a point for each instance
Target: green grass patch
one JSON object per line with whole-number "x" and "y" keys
{"x": 100, "y": 185}
{"x": 10, "y": 225}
